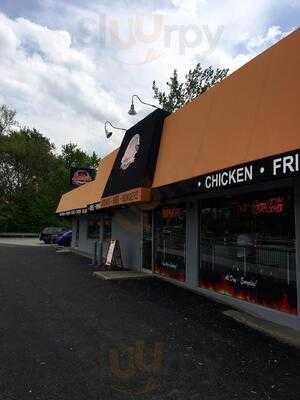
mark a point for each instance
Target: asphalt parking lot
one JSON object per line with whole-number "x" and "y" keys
{"x": 67, "y": 335}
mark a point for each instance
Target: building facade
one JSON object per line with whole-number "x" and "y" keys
{"x": 209, "y": 197}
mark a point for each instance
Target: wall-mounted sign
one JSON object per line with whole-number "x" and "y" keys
{"x": 139, "y": 195}
{"x": 135, "y": 163}
{"x": 280, "y": 166}
{"x": 81, "y": 176}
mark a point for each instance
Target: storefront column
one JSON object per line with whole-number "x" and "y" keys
{"x": 74, "y": 228}
{"x": 192, "y": 252}
{"x": 297, "y": 227}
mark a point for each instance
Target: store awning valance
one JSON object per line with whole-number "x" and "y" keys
{"x": 133, "y": 196}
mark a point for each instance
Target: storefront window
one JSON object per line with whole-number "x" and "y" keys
{"x": 107, "y": 228}
{"x": 170, "y": 237}
{"x": 94, "y": 228}
{"x": 247, "y": 248}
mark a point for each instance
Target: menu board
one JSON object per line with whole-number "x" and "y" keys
{"x": 110, "y": 252}
{"x": 114, "y": 257}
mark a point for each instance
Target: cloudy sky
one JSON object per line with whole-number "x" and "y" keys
{"x": 66, "y": 66}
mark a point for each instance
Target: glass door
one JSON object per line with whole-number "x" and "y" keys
{"x": 147, "y": 241}
{"x": 170, "y": 241}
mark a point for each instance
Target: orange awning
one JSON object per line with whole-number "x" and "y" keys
{"x": 252, "y": 114}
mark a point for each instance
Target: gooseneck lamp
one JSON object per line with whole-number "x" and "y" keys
{"x": 109, "y": 133}
{"x": 132, "y": 109}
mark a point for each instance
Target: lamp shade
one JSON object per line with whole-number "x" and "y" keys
{"x": 132, "y": 110}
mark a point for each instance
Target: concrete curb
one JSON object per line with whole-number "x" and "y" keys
{"x": 120, "y": 275}
{"x": 279, "y": 332}
{"x": 18, "y": 235}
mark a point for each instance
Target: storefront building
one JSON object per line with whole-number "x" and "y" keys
{"x": 215, "y": 207}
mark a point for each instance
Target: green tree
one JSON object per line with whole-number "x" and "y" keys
{"x": 196, "y": 82}
{"x": 29, "y": 191}
{"x": 73, "y": 156}
{"x": 33, "y": 176}
{"x": 94, "y": 160}
{"x": 7, "y": 119}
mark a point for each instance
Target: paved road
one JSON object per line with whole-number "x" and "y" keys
{"x": 67, "y": 335}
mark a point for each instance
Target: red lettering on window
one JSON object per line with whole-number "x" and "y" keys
{"x": 271, "y": 206}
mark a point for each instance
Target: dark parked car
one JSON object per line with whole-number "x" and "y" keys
{"x": 50, "y": 234}
{"x": 65, "y": 239}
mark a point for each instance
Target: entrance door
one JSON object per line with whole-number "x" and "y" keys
{"x": 147, "y": 241}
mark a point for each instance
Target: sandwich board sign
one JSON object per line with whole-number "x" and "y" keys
{"x": 113, "y": 257}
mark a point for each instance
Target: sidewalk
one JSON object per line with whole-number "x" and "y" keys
{"x": 279, "y": 332}
{"x": 18, "y": 235}
{"x": 21, "y": 241}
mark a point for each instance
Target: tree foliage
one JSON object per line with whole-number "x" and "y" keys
{"x": 196, "y": 82}
{"x": 74, "y": 157}
{"x": 7, "y": 118}
{"x": 33, "y": 177}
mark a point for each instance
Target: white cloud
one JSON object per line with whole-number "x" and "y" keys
{"x": 52, "y": 83}
{"x": 66, "y": 75}
{"x": 273, "y": 34}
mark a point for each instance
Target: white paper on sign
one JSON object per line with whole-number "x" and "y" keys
{"x": 110, "y": 252}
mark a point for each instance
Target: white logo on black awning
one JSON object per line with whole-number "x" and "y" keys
{"x": 130, "y": 152}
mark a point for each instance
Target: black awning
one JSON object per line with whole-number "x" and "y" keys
{"x": 135, "y": 163}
